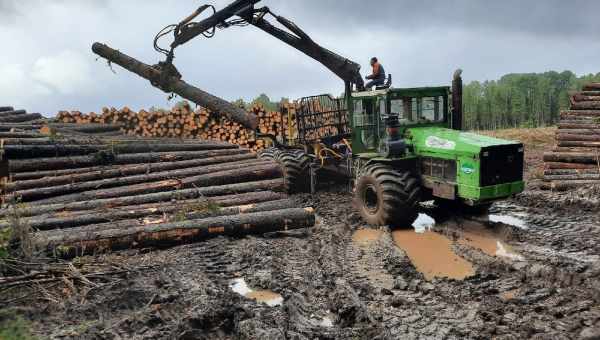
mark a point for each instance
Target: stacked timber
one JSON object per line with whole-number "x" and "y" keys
{"x": 184, "y": 122}
{"x": 9, "y": 115}
{"x": 575, "y": 161}
{"x": 86, "y": 194}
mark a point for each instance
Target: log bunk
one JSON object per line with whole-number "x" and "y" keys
{"x": 88, "y": 188}
{"x": 184, "y": 122}
{"x": 575, "y": 161}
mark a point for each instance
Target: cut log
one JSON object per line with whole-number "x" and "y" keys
{"x": 592, "y": 87}
{"x": 44, "y": 192}
{"x": 21, "y": 135}
{"x": 567, "y": 185}
{"x": 555, "y": 165}
{"x": 590, "y": 93}
{"x": 569, "y": 137}
{"x": 578, "y": 132}
{"x": 584, "y": 98}
{"x": 28, "y": 210}
{"x": 579, "y": 144}
{"x": 107, "y": 158}
{"x": 12, "y": 113}
{"x": 585, "y": 105}
{"x": 179, "y": 210}
{"x": 59, "y": 150}
{"x": 562, "y": 172}
{"x": 120, "y": 171}
{"x": 572, "y": 157}
{"x": 175, "y": 85}
{"x": 253, "y": 173}
{"x": 90, "y": 241}
{"x": 579, "y": 125}
{"x": 6, "y": 108}
{"x": 20, "y": 118}
{"x": 572, "y": 177}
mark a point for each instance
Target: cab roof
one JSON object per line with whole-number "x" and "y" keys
{"x": 405, "y": 92}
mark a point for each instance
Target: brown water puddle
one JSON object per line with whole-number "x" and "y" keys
{"x": 364, "y": 236}
{"x": 478, "y": 236}
{"x": 267, "y": 297}
{"x": 431, "y": 253}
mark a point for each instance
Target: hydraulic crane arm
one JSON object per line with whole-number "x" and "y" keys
{"x": 347, "y": 70}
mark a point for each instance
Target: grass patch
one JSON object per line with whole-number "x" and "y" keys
{"x": 14, "y": 327}
{"x": 531, "y": 137}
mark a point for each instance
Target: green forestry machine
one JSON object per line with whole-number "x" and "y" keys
{"x": 396, "y": 146}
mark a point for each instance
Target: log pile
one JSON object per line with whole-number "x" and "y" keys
{"x": 184, "y": 122}
{"x": 83, "y": 194}
{"x": 575, "y": 161}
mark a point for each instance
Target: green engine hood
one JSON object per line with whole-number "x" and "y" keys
{"x": 435, "y": 140}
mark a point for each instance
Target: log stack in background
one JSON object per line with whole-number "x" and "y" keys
{"x": 575, "y": 161}
{"x": 184, "y": 122}
{"x": 84, "y": 194}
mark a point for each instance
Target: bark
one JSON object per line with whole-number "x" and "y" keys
{"x": 575, "y": 166}
{"x": 572, "y": 157}
{"x": 29, "y": 210}
{"x": 22, "y": 135}
{"x": 87, "y": 128}
{"x": 574, "y": 172}
{"x": 582, "y": 144}
{"x": 567, "y": 185}
{"x": 589, "y": 136}
{"x": 91, "y": 241}
{"x": 572, "y": 177}
{"x": 6, "y": 108}
{"x": 12, "y": 113}
{"x": 61, "y": 150}
{"x": 571, "y": 125}
{"x": 591, "y": 93}
{"x": 193, "y": 209}
{"x": 120, "y": 171}
{"x": 178, "y": 86}
{"x": 45, "y": 192}
{"x": 20, "y": 118}
{"x": 591, "y": 113}
{"x": 578, "y": 132}
{"x": 107, "y": 158}
{"x": 584, "y": 98}
{"x": 585, "y": 105}
{"x": 247, "y": 174}
{"x": 592, "y": 87}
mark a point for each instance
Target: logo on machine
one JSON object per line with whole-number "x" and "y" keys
{"x": 467, "y": 168}
{"x": 440, "y": 143}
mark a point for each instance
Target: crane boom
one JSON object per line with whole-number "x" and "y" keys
{"x": 346, "y": 69}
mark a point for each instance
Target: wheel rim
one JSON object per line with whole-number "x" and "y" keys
{"x": 370, "y": 199}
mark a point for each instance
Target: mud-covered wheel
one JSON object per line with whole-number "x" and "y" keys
{"x": 453, "y": 206}
{"x": 385, "y": 196}
{"x": 295, "y": 165}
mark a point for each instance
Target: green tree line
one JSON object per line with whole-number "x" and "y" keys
{"x": 520, "y": 100}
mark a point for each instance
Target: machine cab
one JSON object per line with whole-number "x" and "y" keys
{"x": 381, "y": 116}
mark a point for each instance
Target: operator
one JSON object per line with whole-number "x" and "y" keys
{"x": 377, "y": 78}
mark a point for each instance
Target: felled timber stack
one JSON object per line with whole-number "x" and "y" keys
{"x": 9, "y": 115}
{"x": 184, "y": 122}
{"x": 83, "y": 195}
{"x": 575, "y": 161}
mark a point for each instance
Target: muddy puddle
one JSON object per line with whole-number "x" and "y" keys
{"x": 266, "y": 297}
{"x": 432, "y": 255}
{"x": 366, "y": 235}
{"x": 487, "y": 240}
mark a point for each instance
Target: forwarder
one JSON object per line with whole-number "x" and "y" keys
{"x": 397, "y": 146}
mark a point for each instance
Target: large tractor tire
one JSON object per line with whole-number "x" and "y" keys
{"x": 269, "y": 153}
{"x": 294, "y": 164}
{"x": 385, "y": 196}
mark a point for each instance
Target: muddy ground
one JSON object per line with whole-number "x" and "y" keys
{"x": 528, "y": 269}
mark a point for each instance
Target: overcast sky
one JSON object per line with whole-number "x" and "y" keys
{"x": 46, "y": 63}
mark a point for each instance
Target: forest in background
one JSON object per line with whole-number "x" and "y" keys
{"x": 515, "y": 100}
